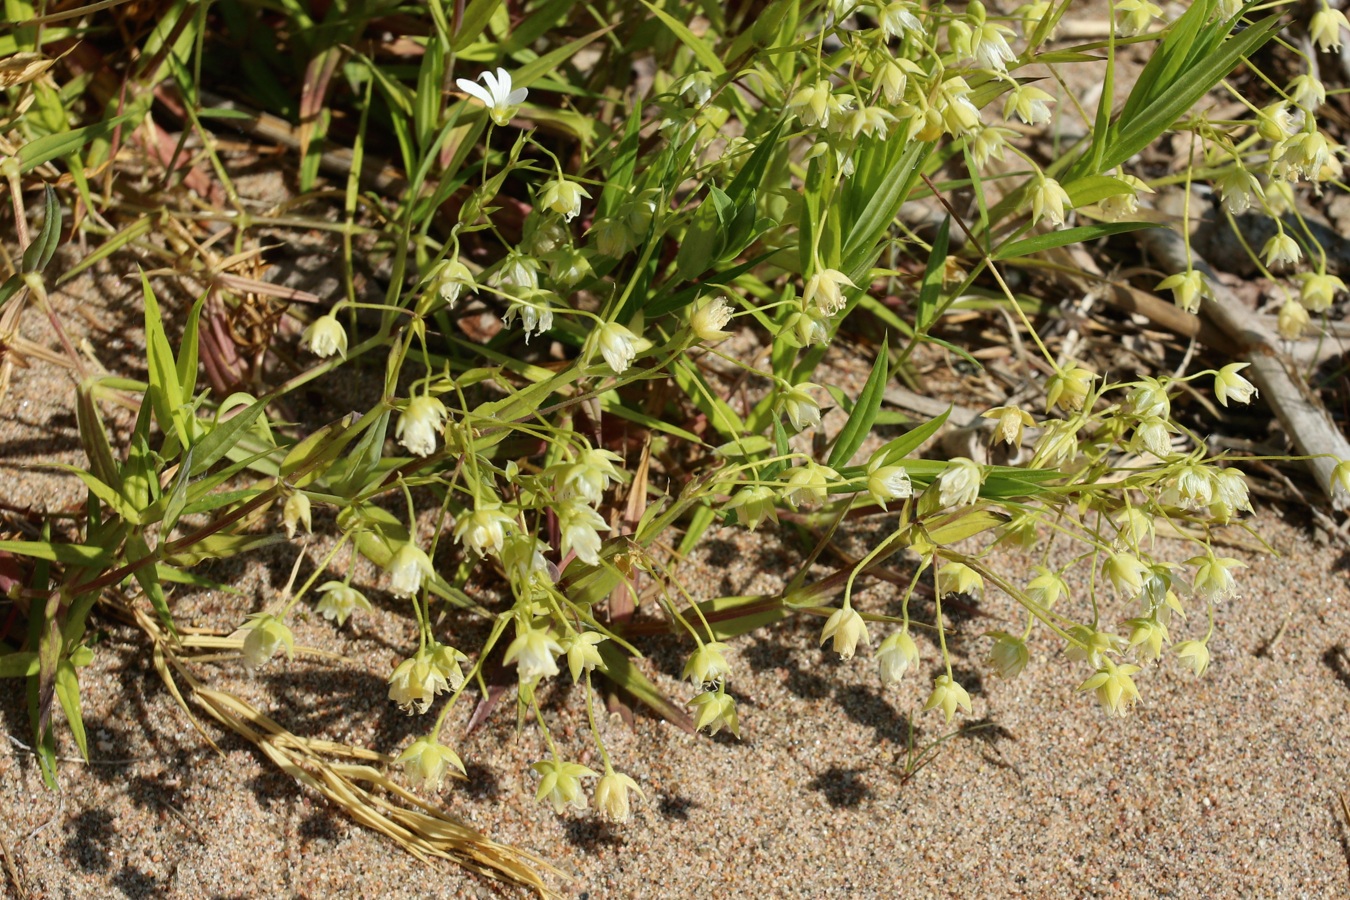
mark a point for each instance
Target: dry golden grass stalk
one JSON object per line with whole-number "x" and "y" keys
{"x": 423, "y": 830}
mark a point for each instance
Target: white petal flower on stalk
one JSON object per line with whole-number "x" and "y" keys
{"x": 847, "y": 628}
{"x": 484, "y": 530}
{"x": 500, "y": 100}
{"x": 588, "y": 477}
{"x": 296, "y": 513}
{"x": 580, "y": 526}
{"x": 1135, "y": 16}
{"x": 563, "y": 197}
{"x": 450, "y": 279}
{"x": 801, "y": 408}
{"x": 1047, "y": 587}
{"x": 809, "y": 484}
{"x": 1212, "y": 580}
{"x": 1009, "y": 654}
{"x": 824, "y": 291}
{"x": 897, "y": 19}
{"x": 560, "y": 783}
{"x": 895, "y": 656}
{"x": 707, "y": 664}
{"x": 581, "y": 652}
{"x": 523, "y": 559}
{"x": 812, "y": 104}
{"x": 416, "y": 682}
{"x": 324, "y": 337}
{"x": 1340, "y": 476}
{"x": 1326, "y": 26}
{"x": 339, "y": 601}
{"x": 419, "y": 424}
{"x": 611, "y": 795}
{"x": 1292, "y": 320}
{"x": 872, "y": 121}
{"x": 1239, "y": 188}
{"x": 1307, "y": 92}
{"x": 1228, "y": 384}
{"x": 536, "y": 316}
{"x": 534, "y": 652}
{"x": 1318, "y": 290}
{"x": 947, "y": 695}
{"x": 1029, "y": 103}
{"x": 426, "y": 761}
{"x": 1049, "y": 201}
{"x": 407, "y": 568}
{"x": 1187, "y": 289}
{"x": 616, "y": 344}
{"x": 710, "y": 319}
{"x": 959, "y": 484}
{"x": 1126, "y": 573}
{"x": 1115, "y": 689}
{"x": 959, "y": 578}
{"x": 887, "y": 483}
{"x": 753, "y": 505}
{"x": 1194, "y": 655}
{"x": 1281, "y": 250}
{"x": 716, "y": 710}
{"x": 264, "y": 635}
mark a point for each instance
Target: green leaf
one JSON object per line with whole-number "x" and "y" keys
{"x": 40, "y": 251}
{"x": 148, "y": 578}
{"x": 68, "y": 692}
{"x": 702, "y": 52}
{"x": 222, "y": 438}
{"x": 865, "y": 409}
{"x": 18, "y": 665}
{"x": 70, "y": 554}
{"x": 1063, "y": 237}
{"x": 894, "y": 451}
{"x": 53, "y": 146}
{"x": 620, "y": 670}
{"x": 188, "y": 348}
{"x": 931, "y": 289}
{"x": 166, "y": 394}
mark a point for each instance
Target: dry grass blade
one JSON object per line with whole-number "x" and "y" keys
{"x": 418, "y": 827}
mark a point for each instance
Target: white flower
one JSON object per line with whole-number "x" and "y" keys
{"x": 1293, "y": 320}
{"x": 533, "y": 652}
{"x": 1238, "y": 188}
{"x": 1194, "y": 654}
{"x": 1126, "y": 573}
{"x": 563, "y": 197}
{"x": 535, "y": 316}
{"x": 1049, "y": 201}
{"x": 887, "y": 483}
{"x": 1229, "y": 384}
{"x": 872, "y": 121}
{"x": 419, "y": 423}
{"x": 1134, "y": 16}
{"x": 426, "y": 761}
{"x": 324, "y": 337}
{"x": 449, "y": 279}
{"x": 1187, "y": 288}
{"x": 1325, "y": 28}
{"x": 697, "y": 84}
{"x": 808, "y": 484}
{"x": 846, "y": 627}
{"x": 716, "y": 711}
{"x": 484, "y": 530}
{"x": 579, "y": 526}
{"x": 1149, "y": 398}
{"x": 1008, "y": 424}
{"x": 707, "y": 664}
{"x": 947, "y": 695}
{"x": 611, "y": 795}
{"x": 709, "y": 319}
{"x": 1213, "y": 581}
{"x": 801, "y": 408}
{"x": 897, "y": 19}
{"x": 1047, "y": 587}
{"x": 501, "y": 101}
{"x": 416, "y": 682}
{"x": 959, "y": 484}
{"x": 813, "y": 103}
{"x": 296, "y": 513}
{"x": 1115, "y": 689}
{"x": 616, "y": 344}
{"x": 1152, "y": 434}
{"x": 1307, "y": 92}
{"x": 895, "y": 655}
{"x": 587, "y": 478}
{"x": 753, "y": 505}
{"x": 959, "y": 578}
{"x": 1281, "y": 250}
{"x": 340, "y": 600}
{"x": 582, "y": 655}
{"x": 989, "y": 47}
{"x": 1340, "y": 476}
{"x": 1029, "y": 103}
{"x": 1317, "y": 290}
{"x": 1009, "y": 655}
{"x": 266, "y": 634}
{"x": 560, "y": 783}
{"x": 406, "y": 570}
{"x": 824, "y": 291}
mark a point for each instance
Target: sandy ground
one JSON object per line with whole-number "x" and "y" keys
{"x": 1224, "y": 786}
